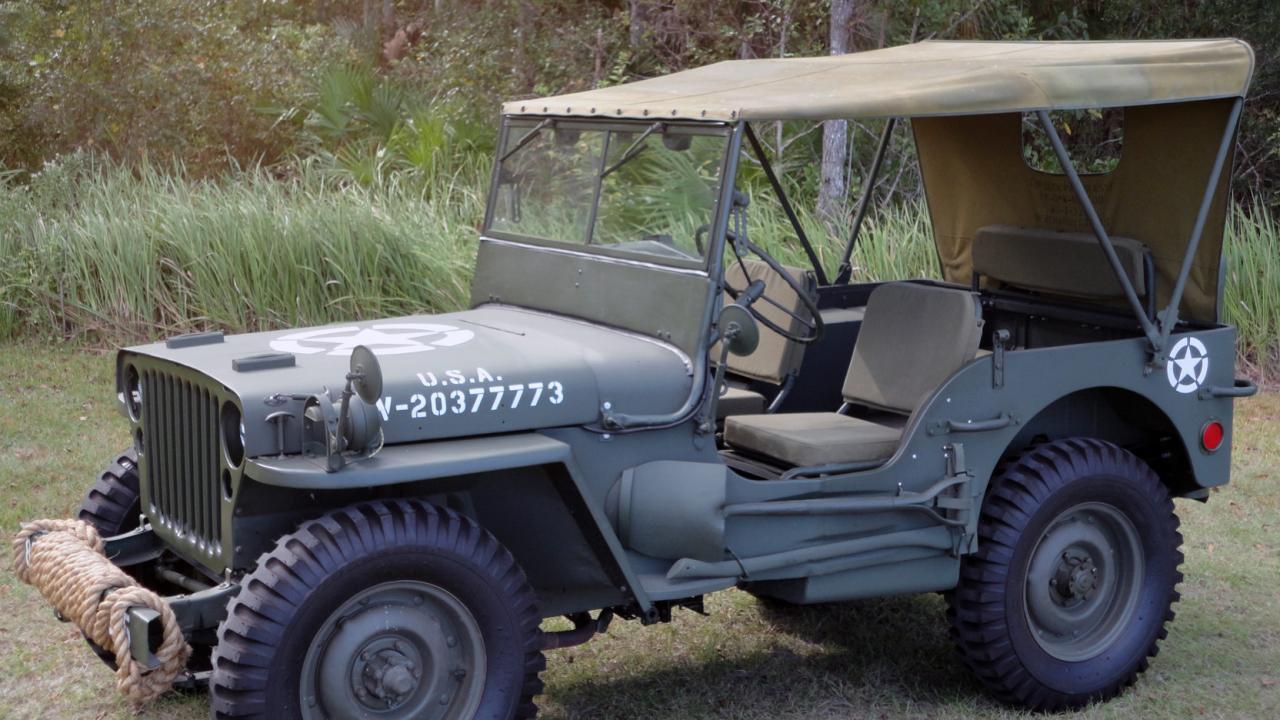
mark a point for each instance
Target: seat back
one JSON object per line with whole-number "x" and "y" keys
{"x": 776, "y": 357}
{"x": 1059, "y": 263}
{"x": 913, "y": 338}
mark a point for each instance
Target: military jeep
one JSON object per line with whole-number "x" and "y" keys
{"x": 644, "y": 406}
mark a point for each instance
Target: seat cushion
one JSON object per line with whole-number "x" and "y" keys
{"x": 739, "y": 401}
{"x": 808, "y": 439}
{"x": 913, "y": 338}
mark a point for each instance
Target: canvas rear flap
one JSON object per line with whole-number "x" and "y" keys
{"x": 975, "y": 176}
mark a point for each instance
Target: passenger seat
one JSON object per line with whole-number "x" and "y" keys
{"x": 913, "y": 338}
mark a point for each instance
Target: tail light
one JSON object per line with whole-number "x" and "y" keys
{"x": 1212, "y": 435}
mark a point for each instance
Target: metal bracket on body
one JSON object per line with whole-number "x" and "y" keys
{"x": 945, "y": 427}
{"x": 1242, "y": 387}
{"x": 956, "y": 505}
{"x": 279, "y": 419}
{"x": 146, "y": 634}
{"x": 999, "y": 339}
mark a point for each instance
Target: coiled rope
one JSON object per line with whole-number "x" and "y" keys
{"x": 65, "y": 561}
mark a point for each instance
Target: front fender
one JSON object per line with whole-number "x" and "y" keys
{"x": 413, "y": 462}
{"x": 487, "y": 457}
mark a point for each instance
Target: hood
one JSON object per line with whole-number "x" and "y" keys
{"x": 489, "y": 370}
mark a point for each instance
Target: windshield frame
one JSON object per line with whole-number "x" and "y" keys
{"x": 512, "y": 123}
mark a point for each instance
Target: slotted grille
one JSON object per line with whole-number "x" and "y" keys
{"x": 180, "y": 462}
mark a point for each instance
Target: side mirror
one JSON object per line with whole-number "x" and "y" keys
{"x": 565, "y": 138}
{"x": 678, "y": 143}
{"x": 358, "y": 426}
{"x": 366, "y": 374}
{"x": 739, "y": 333}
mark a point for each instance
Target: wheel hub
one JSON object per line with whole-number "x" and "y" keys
{"x": 1083, "y": 581}
{"x": 1076, "y": 579}
{"x": 388, "y": 671}
{"x": 396, "y": 651}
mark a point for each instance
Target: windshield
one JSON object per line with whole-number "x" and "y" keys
{"x": 645, "y": 190}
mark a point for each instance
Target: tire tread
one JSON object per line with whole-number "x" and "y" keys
{"x": 112, "y": 504}
{"x": 257, "y": 618}
{"x": 975, "y": 609}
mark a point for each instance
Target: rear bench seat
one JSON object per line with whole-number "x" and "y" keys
{"x": 1070, "y": 264}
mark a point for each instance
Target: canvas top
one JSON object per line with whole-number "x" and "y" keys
{"x": 930, "y": 78}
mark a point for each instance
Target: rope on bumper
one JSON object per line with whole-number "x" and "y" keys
{"x": 65, "y": 561}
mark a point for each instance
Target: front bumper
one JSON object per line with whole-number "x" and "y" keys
{"x": 199, "y": 611}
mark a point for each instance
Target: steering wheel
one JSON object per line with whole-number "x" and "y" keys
{"x": 812, "y": 324}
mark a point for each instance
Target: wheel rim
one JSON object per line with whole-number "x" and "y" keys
{"x": 1084, "y": 581}
{"x": 404, "y": 649}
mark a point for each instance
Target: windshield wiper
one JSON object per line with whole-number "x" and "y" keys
{"x": 528, "y": 138}
{"x": 635, "y": 149}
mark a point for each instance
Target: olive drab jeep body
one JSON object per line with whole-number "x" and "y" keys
{"x": 643, "y": 406}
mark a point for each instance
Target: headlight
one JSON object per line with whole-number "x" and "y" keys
{"x": 133, "y": 393}
{"x": 232, "y": 434}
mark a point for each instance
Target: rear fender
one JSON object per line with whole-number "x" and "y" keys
{"x": 1098, "y": 389}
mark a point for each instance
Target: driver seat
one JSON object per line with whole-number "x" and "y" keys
{"x": 913, "y": 338}
{"x": 777, "y": 359}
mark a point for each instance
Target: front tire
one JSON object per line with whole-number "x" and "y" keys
{"x": 1074, "y": 579}
{"x": 113, "y": 505}
{"x": 394, "y": 609}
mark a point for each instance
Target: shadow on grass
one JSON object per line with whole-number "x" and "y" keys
{"x": 855, "y": 659}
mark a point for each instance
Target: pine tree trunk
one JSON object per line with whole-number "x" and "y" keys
{"x": 833, "y": 191}
{"x": 636, "y": 28}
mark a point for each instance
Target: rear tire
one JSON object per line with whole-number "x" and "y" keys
{"x": 113, "y": 504}
{"x": 396, "y": 609}
{"x": 1074, "y": 578}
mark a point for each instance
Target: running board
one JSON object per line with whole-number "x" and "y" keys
{"x": 859, "y": 552}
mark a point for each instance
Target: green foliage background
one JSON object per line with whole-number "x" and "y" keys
{"x": 168, "y": 164}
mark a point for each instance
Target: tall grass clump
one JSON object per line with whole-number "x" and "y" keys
{"x": 101, "y": 251}
{"x": 1251, "y": 300}
{"x": 895, "y": 241}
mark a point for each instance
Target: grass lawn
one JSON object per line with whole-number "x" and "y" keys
{"x": 887, "y": 658}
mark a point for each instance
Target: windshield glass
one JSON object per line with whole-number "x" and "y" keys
{"x": 628, "y": 189}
